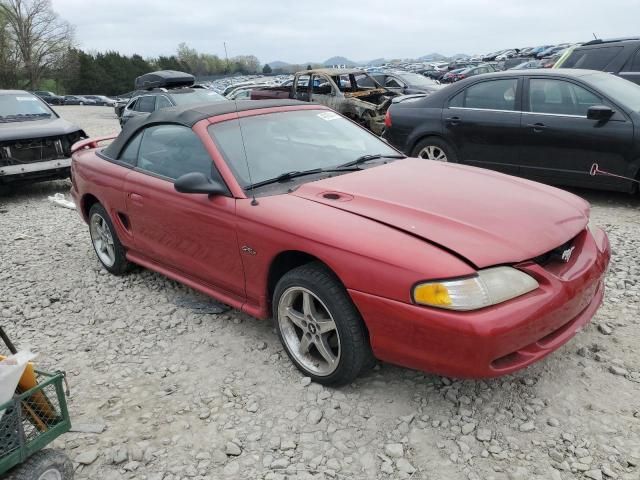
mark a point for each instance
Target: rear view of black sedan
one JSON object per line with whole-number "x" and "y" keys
{"x": 546, "y": 125}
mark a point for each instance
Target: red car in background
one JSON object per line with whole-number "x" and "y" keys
{"x": 290, "y": 210}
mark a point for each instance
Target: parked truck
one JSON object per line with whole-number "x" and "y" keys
{"x": 339, "y": 89}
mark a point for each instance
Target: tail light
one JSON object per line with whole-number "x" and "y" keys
{"x": 387, "y": 119}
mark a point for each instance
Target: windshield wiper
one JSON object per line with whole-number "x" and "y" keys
{"x": 297, "y": 173}
{"x": 367, "y": 158}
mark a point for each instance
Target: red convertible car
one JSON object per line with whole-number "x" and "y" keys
{"x": 290, "y": 210}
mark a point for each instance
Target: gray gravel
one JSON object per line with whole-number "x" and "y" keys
{"x": 166, "y": 389}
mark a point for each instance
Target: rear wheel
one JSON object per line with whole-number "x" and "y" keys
{"x": 319, "y": 327}
{"x": 44, "y": 465}
{"x": 434, "y": 148}
{"x": 106, "y": 244}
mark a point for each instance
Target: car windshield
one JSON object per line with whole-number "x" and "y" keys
{"x": 282, "y": 142}
{"x": 192, "y": 97}
{"x": 21, "y": 107}
{"x": 417, "y": 80}
{"x": 621, "y": 91}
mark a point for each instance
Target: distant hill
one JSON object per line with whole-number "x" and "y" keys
{"x": 339, "y": 61}
{"x": 278, "y": 64}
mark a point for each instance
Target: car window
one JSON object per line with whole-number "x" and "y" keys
{"x": 130, "y": 153}
{"x": 173, "y": 150}
{"x": 163, "y": 102}
{"x": 560, "y": 97}
{"x": 392, "y": 83}
{"x": 634, "y": 64}
{"x": 145, "y": 104}
{"x": 621, "y": 91}
{"x": 321, "y": 85}
{"x": 457, "y": 101}
{"x": 491, "y": 95}
{"x": 592, "y": 58}
{"x": 368, "y": 81}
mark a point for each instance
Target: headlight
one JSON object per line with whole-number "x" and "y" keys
{"x": 488, "y": 287}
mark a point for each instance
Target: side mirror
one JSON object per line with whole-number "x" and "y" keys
{"x": 600, "y": 113}
{"x": 196, "y": 182}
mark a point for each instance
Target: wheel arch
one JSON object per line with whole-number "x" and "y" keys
{"x": 286, "y": 261}
{"x": 88, "y": 200}
{"x": 423, "y": 136}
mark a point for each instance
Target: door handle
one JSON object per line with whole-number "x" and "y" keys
{"x": 537, "y": 127}
{"x": 453, "y": 120}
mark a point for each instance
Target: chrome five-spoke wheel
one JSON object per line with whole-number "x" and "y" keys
{"x": 102, "y": 240}
{"x": 309, "y": 331}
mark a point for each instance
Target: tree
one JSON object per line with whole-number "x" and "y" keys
{"x": 8, "y": 56}
{"x": 309, "y": 67}
{"x": 40, "y": 36}
{"x": 266, "y": 69}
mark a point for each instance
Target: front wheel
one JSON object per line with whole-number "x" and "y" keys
{"x": 434, "y": 148}
{"x": 319, "y": 327}
{"x": 44, "y": 465}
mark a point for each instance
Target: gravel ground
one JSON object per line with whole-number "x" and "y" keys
{"x": 180, "y": 387}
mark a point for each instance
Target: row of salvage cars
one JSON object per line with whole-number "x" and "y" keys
{"x": 284, "y": 208}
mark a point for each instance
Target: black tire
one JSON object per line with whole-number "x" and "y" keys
{"x": 41, "y": 462}
{"x": 120, "y": 265}
{"x": 355, "y": 351}
{"x": 438, "y": 143}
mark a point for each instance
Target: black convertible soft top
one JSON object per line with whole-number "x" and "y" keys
{"x": 189, "y": 116}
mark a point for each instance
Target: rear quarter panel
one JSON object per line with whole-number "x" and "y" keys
{"x": 104, "y": 180}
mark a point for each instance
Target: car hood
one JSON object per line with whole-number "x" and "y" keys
{"x": 48, "y": 127}
{"x": 486, "y": 217}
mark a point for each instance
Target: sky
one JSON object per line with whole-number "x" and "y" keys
{"x": 298, "y": 31}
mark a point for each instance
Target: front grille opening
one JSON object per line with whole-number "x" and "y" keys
{"x": 554, "y": 255}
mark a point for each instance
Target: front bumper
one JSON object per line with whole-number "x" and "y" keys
{"x": 496, "y": 340}
{"x": 25, "y": 169}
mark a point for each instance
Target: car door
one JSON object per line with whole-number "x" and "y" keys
{"x": 302, "y": 88}
{"x": 631, "y": 70}
{"x": 483, "y": 123}
{"x": 559, "y": 142}
{"x": 323, "y": 91}
{"x": 193, "y": 234}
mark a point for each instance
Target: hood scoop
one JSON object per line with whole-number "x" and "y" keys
{"x": 335, "y": 196}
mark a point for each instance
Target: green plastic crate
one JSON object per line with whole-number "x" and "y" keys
{"x": 32, "y": 420}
